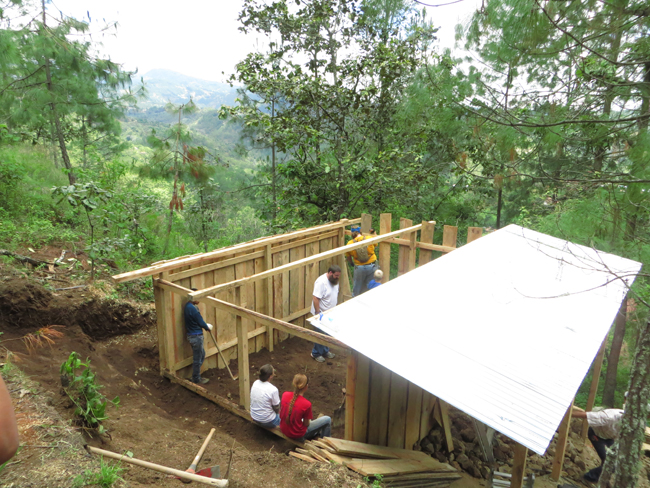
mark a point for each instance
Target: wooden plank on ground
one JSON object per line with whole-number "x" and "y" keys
{"x": 362, "y": 388}
{"x": 445, "y": 475}
{"x": 337, "y": 458}
{"x": 302, "y": 457}
{"x": 405, "y": 252}
{"x": 387, "y": 467}
{"x": 384, "y": 247}
{"x": 413, "y": 414}
{"x": 378, "y": 403}
{"x": 359, "y": 449}
{"x": 323, "y": 445}
{"x": 397, "y": 411}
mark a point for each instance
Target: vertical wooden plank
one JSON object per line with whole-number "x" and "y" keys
{"x": 226, "y": 329}
{"x": 170, "y": 336}
{"x": 404, "y": 251}
{"x": 325, "y": 245}
{"x": 268, "y": 264}
{"x": 426, "y": 419}
{"x": 294, "y": 282}
{"x": 242, "y": 357}
{"x": 384, "y": 247}
{"x": 591, "y": 399}
{"x": 412, "y": 251}
{"x": 248, "y": 301}
{"x": 413, "y": 414}
{"x": 260, "y": 303}
{"x": 362, "y": 387}
{"x": 378, "y": 404}
{"x": 519, "y": 466}
{"x": 449, "y": 235}
{"x": 345, "y": 290}
{"x": 311, "y": 272}
{"x": 285, "y": 293}
{"x": 446, "y": 424}
{"x": 302, "y": 296}
{"x": 474, "y": 233}
{"x": 183, "y": 348}
{"x": 277, "y": 294}
{"x": 350, "y": 391}
{"x": 366, "y": 223}
{"x": 397, "y": 411}
{"x": 426, "y": 236}
{"x": 560, "y": 447}
{"x": 158, "y": 294}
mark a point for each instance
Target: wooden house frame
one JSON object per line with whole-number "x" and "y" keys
{"x": 258, "y": 293}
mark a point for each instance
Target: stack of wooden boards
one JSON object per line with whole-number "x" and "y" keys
{"x": 399, "y": 468}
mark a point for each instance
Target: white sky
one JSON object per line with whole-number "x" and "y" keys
{"x": 197, "y": 38}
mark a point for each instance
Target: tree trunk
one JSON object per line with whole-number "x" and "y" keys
{"x": 273, "y": 181}
{"x": 609, "y": 388}
{"x": 499, "y": 203}
{"x": 623, "y": 464}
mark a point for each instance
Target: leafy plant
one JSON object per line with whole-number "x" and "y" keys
{"x": 376, "y": 483}
{"x": 107, "y": 475}
{"x": 83, "y": 390}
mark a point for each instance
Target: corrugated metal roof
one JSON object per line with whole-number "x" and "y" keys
{"x": 504, "y": 328}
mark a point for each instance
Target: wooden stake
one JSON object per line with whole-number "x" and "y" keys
{"x": 591, "y": 399}
{"x": 384, "y": 247}
{"x": 560, "y": 447}
{"x": 426, "y": 237}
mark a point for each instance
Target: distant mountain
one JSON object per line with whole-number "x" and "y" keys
{"x": 168, "y": 86}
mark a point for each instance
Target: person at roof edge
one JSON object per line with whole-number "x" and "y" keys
{"x": 194, "y": 326}
{"x": 325, "y": 297}
{"x": 604, "y": 429}
{"x": 364, "y": 261}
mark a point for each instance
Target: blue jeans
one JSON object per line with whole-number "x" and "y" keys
{"x": 321, "y": 426}
{"x": 198, "y": 355}
{"x": 272, "y": 424}
{"x": 362, "y": 276}
{"x": 319, "y": 350}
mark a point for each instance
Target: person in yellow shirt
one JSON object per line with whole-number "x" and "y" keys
{"x": 364, "y": 261}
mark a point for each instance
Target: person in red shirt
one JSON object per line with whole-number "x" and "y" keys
{"x": 296, "y": 415}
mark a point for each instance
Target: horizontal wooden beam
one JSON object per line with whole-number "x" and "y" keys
{"x": 301, "y": 242}
{"x": 233, "y": 343}
{"x": 279, "y": 324}
{"x": 222, "y": 402}
{"x": 422, "y": 245}
{"x": 211, "y": 267}
{"x": 226, "y": 251}
{"x": 301, "y": 262}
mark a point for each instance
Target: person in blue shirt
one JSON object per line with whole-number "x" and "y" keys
{"x": 376, "y": 281}
{"x": 194, "y": 326}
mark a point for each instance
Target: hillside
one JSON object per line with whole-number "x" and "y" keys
{"x": 169, "y": 86}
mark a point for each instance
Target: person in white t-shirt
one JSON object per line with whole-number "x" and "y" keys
{"x": 265, "y": 399}
{"x": 325, "y": 296}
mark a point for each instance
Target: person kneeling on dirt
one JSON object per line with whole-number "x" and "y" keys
{"x": 265, "y": 399}
{"x": 8, "y": 426}
{"x": 296, "y": 415}
{"x": 194, "y": 326}
{"x": 604, "y": 428}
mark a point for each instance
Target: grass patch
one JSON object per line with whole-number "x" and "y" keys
{"x": 107, "y": 475}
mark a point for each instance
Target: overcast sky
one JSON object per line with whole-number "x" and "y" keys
{"x": 198, "y": 38}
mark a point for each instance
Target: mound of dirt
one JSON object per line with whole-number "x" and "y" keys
{"x": 27, "y": 306}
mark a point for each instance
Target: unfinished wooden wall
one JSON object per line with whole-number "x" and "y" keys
{"x": 383, "y": 408}
{"x": 284, "y": 296}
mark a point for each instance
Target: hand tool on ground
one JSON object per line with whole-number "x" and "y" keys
{"x": 221, "y": 483}
{"x": 222, "y": 358}
{"x": 232, "y": 451}
{"x": 197, "y": 458}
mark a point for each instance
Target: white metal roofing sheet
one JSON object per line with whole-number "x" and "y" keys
{"x": 504, "y": 328}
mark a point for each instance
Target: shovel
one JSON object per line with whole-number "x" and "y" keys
{"x": 222, "y": 358}
{"x": 211, "y": 472}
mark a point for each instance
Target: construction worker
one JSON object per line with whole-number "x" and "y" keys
{"x": 364, "y": 261}
{"x": 265, "y": 399}
{"x": 194, "y": 326}
{"x": 325, "y": 296}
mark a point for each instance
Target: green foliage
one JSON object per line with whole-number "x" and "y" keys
{"x": 107, "y": 475}
{"x": 82, "y": 389}
{"x": 376, "y": 483}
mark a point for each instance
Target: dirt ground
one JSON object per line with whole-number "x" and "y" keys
{"x": 157, "y": 421}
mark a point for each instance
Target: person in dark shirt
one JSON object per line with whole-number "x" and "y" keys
{"x": 194, "y": 326}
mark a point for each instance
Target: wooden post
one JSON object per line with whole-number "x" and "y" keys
{"x": 378, "y": 408}
{"x": 426, "y": 236}
{"x": 397, "y": 411}
{"x": 449, "y": 235}
{"x": 426, "y": 419}
{"x": 384, "y": 247}
{"x": 474, "y": 233}
{"x": 158, "y": 294}
{"x": 242, "y": 358}
{"x": 560, "y": 447}
{"x": 413, "y": 414}
{"x": 405, "y": 253}
{"x": 350, "y": 393}
{"x": 519, "y": 466}
{"x": 366, "y": 223}
{"x": 268, "y": 264}
{"x": 361, "y": 391}
{"x": 446, "y": 424}
{"x": 170, "y": 344}
{"x": 345, "y": 292}
{"x": 591, "y": 399}
{"x": 412, "y": 251}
